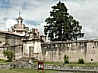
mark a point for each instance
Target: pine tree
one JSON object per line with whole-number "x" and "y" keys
{"x": 61, "y": 26}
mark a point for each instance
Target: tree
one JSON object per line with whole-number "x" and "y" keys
{"x": 61, "y": 26}
{"x": 66, "y": 59}
{"x": 9, "y": 54}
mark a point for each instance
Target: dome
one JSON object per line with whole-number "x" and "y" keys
{"x": 17, "y": 26}
{"x": 19, "y": 18}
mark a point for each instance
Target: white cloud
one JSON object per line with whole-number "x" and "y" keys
{"x": 41, "y": 28}
{"x": 10, "y": 22}
{"x": 85, "y": 11}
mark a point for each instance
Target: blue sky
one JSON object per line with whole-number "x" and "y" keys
{"x": 34, "y": 13}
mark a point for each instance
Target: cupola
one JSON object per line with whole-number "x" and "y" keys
{"x": 19, "y": 19}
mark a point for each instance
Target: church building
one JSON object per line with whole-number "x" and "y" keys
{"x": 24, "y": 42}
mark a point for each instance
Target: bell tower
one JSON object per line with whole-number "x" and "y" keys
{"x": 19, "y": 28}
{"x": 19, "y": 19}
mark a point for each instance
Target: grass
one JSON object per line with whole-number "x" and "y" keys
{"x": 46, "y": 71}
{"x": 85, "y": 64}
{"x": 70, "y": 64}
{"x": 53, "y": 63}
{"x": 24, "y": 71}
{"x": 3, "y": 61}
{"x": 59, "y": 63}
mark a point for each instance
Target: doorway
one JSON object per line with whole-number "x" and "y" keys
{"x": 31, "y": 51}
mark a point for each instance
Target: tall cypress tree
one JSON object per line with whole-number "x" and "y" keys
{"x": 61, "y": 26}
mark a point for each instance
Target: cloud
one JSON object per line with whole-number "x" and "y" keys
{"x": 34, "y": 13}
{"x": 10, "y": 22}
{"x": 4, "y": 4}
{"x": 31, "y": 22}
{"x": 41, "y": 28}
{"x": 85, "y": 12}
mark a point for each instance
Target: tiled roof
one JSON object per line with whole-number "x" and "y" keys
{"x": 10, "y": 33}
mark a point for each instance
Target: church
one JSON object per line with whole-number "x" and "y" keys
{"x": 24, "y": 42}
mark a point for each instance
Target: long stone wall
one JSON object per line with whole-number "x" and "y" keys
{"x": 75, "y": 50}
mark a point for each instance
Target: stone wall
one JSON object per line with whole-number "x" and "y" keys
{"x": 9, "y": 41}
{"x": 17, "y": 65}
{"x": 5, "y": 66}
{"x": 75, "y": 50}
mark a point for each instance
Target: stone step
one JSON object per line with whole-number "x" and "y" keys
{"x": 26, "y": 60}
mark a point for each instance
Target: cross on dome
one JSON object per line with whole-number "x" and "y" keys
{"x": 19, "y": 14}
{"x": 19, "y": 19}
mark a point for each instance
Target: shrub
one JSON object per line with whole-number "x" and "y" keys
{"x": 66, "y": 59}
{"x": 9, "y": 54}
{"x": 81, "y": 61}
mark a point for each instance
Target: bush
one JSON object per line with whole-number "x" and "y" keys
{"x": 66, "y": 59}
{"x": 9, "y": 54}
{"x": 81, "y": 61}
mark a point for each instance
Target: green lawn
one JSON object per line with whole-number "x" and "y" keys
{"x": 86, "y": 64}
{"x": 70, "y": 64}
{"x": 2, "y": 61}
{"x": 54, "y": 63}
{"x": 60, "y": 63}
{"x": 24, "y": 71}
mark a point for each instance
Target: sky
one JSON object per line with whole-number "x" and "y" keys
{"x": 34, "y": 13}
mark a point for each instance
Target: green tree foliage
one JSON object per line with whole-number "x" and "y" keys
{"x": 66, "y": 59}
{"x": 61, "y": 26}
{"x": 9, "y": 54}
{"x": 81, "y": 61}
